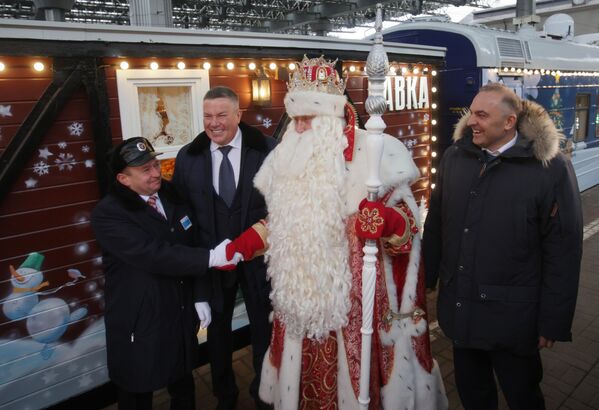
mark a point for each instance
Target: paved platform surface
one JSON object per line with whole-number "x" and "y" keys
{"x": 571, "y": 370}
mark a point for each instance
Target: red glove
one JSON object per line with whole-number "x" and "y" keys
{"x": 376, "y": 220}
{"x": 251, "y": 242}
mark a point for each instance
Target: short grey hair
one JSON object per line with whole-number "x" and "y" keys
{"x": 222, "y": 92}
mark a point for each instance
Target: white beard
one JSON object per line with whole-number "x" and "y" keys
{"x": 303, "y": 184}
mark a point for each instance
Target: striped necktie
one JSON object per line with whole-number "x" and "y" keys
{"x": 152, "y": 202}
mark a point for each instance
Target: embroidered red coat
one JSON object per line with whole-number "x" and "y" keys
{"x": 308, "y": 374}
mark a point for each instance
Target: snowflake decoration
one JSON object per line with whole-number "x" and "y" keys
{"x": 65, "y": 161}
{"x": 410, "y": 143}
{"x": 89, "y": 163}
{"x": 45, "y": 153}
{"x": 30, "y": 183}
{"x": 5, "y": 111}
{"x": 76, "y": 128}
{"x": 85, "y": 148}
{"x": 62, "y": 145}
{"x": 267, "y": 123}
{"x": 41, "y": 168}
{"x": 426, "y": 117}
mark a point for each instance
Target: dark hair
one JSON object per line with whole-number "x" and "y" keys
{"x": 509, "y": 98}
{"x": 222, "y": 92}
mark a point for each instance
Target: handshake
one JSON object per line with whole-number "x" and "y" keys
{"x": 219, "y": 259}
{"x": 251, "y": 243}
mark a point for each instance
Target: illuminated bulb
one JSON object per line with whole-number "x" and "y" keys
{"x": 513, "y": 69}
{"x": 252, "y": 66}
{"x": 272, "y": 66}
{"x": 558, "y": 72}
{"x": 154, "y": 65}
{"x": 519, "y": 70}
{"x": 433, "y": 186}
{"x": 230, "y": 66}
{"x": 496, "y": 70}
{"x": 2, "y": 66}
{"x": 542, "y": 71}
{"x": 124, "y": 65}
{"x": 434, "y": 73}
{"x": 425, "y": 70}
{"x": 536, "y": 72}
{"x": 433, "y": 170}
{"x": 434, "y": 89}
{"x": 38, "y": 66}
{"x": 206, "y": 66}
{"x": 416, "y": 71}
{"x": 433, "y": 154}
{"x": 434, "y": 106}
{"x": 181, "y": 65}
{"x": 434, "y": 122}
{"x": 433, "y": 138}
{"x": 392, "y": 70}
{"x": 352, "y": 68}
{"x": 553, "y": 73}
{"x": 404, "y": 70}
{"x": 505, "y": 69}
{"x": 291, "y": 66}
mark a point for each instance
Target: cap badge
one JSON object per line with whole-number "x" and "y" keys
{"x": 141, "y": 146}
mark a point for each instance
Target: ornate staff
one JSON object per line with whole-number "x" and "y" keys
{"x": 377, "y": 66}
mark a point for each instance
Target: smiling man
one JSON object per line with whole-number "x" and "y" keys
{"x": 215, "y": 173}
{"x": 154, "y": 276}
{"x": 503, "y": 236}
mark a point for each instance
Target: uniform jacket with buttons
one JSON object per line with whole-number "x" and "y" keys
{"x": 504, "y": 239}
{"x": 153, "y": 276}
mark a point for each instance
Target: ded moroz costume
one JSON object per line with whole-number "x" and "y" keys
{"x": 314, "y": 185}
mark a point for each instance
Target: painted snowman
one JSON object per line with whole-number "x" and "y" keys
{"x": 47, "y": 320}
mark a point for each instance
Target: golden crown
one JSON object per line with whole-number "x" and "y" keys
{"x": 316, "y": 74}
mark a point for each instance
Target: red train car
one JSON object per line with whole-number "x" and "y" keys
{"x": 68, "y": 92}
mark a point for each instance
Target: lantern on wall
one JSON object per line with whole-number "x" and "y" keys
{"x": 261, "y": 89}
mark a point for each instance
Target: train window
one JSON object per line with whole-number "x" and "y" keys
{"x": 581, "y": 120}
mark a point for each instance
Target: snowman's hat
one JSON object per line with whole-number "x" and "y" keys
{"x": 33, "y": 261}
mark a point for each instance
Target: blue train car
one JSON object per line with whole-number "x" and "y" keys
{"x": 550, "y": 67}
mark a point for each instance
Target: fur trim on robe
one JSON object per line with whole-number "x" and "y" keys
{"x": 409, "y": 385}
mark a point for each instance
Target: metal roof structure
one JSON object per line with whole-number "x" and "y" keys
{"x": 273, "y": 16}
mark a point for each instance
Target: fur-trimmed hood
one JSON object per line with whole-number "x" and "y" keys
{"x": 535, "y": 129}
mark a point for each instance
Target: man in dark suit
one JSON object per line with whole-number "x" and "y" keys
{"x": 215, "y": 171}
{"x": 154, "y": 276}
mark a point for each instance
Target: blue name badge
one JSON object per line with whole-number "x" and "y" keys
{"x": 185, "y": 222}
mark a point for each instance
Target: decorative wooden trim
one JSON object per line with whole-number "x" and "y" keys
{"x": 95, "y": 87}
{"x": 67, "y": 78}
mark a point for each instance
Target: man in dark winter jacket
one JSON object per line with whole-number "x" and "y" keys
{"x": 153, "y": 278}
{"x": 504, "y": 238}
{"x": 215, "y": 173}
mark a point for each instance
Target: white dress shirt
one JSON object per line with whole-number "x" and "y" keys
{"x": 504, "y": 147}
{"x": 234, "y": 157}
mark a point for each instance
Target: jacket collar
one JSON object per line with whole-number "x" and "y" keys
{"x": 250, "y": 137}
{"x": 132, "y": 201}
{"x": 537, "y": 135}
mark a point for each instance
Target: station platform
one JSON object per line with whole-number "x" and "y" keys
{"x": 571, "y": 370}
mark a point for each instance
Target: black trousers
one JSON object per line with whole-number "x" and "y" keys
{"x": 182, "y": 392}
{"x": 220, "y": 341}
{"x": 519, "y": 377}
